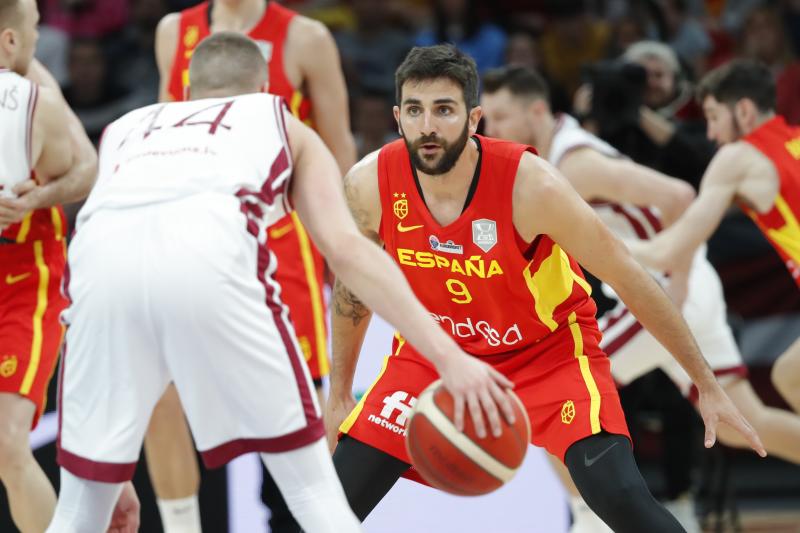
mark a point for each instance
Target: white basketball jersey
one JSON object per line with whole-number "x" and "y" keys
{"x": 626, "y": 220}
{"x": 234, "y": 146}
{"x": 17, "y": 102}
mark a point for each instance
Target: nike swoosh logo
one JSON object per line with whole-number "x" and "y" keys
{"x": 402, "y": 229}
{"x": 277, "y": 233}
{"x": 16, "y": 279}
{"x": 589, "y": 462}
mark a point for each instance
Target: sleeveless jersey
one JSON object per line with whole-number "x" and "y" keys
{"x": 493, "y": 293}
{"x": 270, "y": 35}
{"x": 234, "y": 147}
{"x": 781, "y": 144}
{"x": 17, "y": 104}
{"x": 628, "y": 221}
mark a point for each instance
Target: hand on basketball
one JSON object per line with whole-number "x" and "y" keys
{"x": 336, "y": 410}
{"x": 480, "y": 388}
{"x": 716, "y": 407}
{"x": 125, "y": 518}
{"x": 13, "y": 210}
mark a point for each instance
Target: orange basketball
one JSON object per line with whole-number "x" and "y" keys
{"x": 462, "y": 463}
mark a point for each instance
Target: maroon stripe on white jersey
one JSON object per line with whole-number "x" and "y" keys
{"x": 618, "y": 326}
{"x": 637, "y": 226}
{"x": 32, "y": 99}
{"x": 652, "y": 218}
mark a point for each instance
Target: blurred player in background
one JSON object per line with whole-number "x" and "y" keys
{"x": 38, "y": 133}
{"x": 756, "y": 167}
{"x": 172, "y": 280}
{"x": 477, "y": 226}
{"x": 635, "y": 202}
{"x": 304, "y": 69}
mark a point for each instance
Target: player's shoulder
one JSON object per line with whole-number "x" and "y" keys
{"x": 734, "y": 157}
{"x": 308, "y": 34}
{"x": 365, "y": 171}
{"x": 169, "y": 25}
{"x": 537, "y": 180}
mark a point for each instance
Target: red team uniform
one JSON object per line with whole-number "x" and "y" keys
{"x": 780, "y": 143}
{"x": 32, "y": 258}
{"x": 524, "y": 308}
{"x": 301, "y": 266}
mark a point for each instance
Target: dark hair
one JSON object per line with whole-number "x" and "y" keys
{"x": 227, "y": 60}
{"x": 424, "y": 63}
{"x": 520, "y": 81}
{"x": 738, "y": 79}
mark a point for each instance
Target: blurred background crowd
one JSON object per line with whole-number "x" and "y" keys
{"x": 626, "y": 68}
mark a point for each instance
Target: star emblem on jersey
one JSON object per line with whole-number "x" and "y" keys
{"x": 8, "y": 366}
{"x": 568, "y": 412}
{"x": 484, "y": 233}
{"x": 400, "y": 206}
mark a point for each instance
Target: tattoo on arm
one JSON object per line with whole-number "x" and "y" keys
{"x": 347, "y": 305}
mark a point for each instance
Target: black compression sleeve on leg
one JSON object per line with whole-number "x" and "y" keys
{"x": 367, "y": 474}
{"x": 605, "y": 472}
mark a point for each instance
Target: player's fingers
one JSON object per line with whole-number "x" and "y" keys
{"x": 458, "y": 411}
{"x": 711, "y": 431}
{"x": 500, "y": 379}
{"x": 23, "y": 187}
{"x": 492, "y": 413}
{"x": 743, "y": 426}
{"x": 474, "y": 406}
{"x": 503, "y": 399}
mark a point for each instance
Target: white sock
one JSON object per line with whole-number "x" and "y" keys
{"x": 181, "y": 515}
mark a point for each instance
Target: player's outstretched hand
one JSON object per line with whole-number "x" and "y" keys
{"x": 125, "y": 518}
{"x": 480, "y": 388}
{"x": 716, "y": 407}
{"x": 336, "y": 410}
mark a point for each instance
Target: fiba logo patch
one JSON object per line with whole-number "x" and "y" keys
{"x": 400, "y": 206}
{"x": 8, "y": 366}
{"x": 395, "y": 403}
{"x": 568, "y": 412}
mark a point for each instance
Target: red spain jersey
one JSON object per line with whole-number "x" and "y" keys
{"x": 270, "y": 35}
{"x": 480, "y": 281}
{"x": 781, "y": 144}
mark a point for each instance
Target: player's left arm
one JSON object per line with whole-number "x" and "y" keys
{"x": 64, "y": 158}
{"x": 718, "y": 189}
{"x": 75, "y": 183}
{"x": 545, "y": 203}
{"x": 322, "y": 73}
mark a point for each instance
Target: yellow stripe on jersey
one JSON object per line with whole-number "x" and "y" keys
{"x": 58, "y": 225}
{"x": 317, "y": 308}
{"x": 788, "y": 236}
{"x": 41, "y": 307}
{"x": 25, "y": 228}
{"x": 556, "y": 277}
{"x": 586, "y": 372}
{"x": 353, "y": 416}
{"x": 401, "y": 341}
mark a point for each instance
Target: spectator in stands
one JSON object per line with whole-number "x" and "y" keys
{"x": 86, "y": 18}
{"x": 459, "y": 22}
{"x": 373, "y": 123}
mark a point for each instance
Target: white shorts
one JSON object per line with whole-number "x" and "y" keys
{"x": 635, "y": 352}
{"x": 179, "y": 292}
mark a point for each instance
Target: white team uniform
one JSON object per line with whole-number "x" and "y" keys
{"x": 171, "y": 279}
{"x": 632, "y": 349}
{"x": 17, "y": 104}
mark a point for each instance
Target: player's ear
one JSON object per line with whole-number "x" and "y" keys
{"x": 475, "y": 115}
{"x": 396, "y": 113}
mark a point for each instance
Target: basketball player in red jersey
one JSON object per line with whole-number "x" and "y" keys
{"x": 757, "y": 167}
{"x": 304, "y": 69}
{"x": 38, "y": 132}
{"x": 482, "y": 230}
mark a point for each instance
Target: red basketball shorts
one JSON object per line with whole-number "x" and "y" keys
{"x": 301, "y": 275}
{"x": 564, "y": 381}
{"x": 30, "y": 305}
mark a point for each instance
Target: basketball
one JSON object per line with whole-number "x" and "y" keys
{"x": 460, "y": 462}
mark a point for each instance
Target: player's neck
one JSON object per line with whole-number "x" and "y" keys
{"x": 762, "y": 119}
{"x": 543, "y": 133}
{"x": 240, "y": 16}
{"x": 458, "y": 177}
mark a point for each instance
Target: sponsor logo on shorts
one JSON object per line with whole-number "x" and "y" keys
{"x": 395, "y": 403}
{"x": 470, "y": 328}
{"x": 448, "y": 247}
{"x": 8, "y": 365}
{"x": 568, "y": 412}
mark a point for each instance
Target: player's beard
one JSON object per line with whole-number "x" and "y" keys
{"x": 450, "y": 152}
